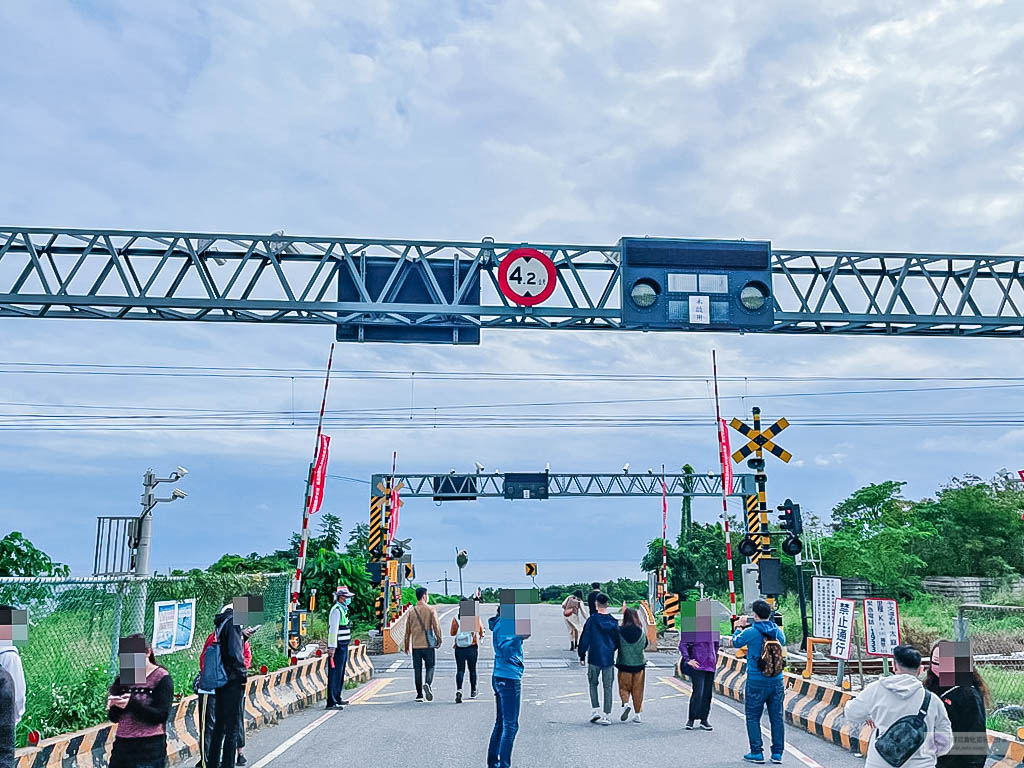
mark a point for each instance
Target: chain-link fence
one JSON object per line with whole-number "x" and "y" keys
{"x": 996, "y": 634}
{"x": 70, "y": 657}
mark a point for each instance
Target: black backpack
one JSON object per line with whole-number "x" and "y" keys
{"x": 904, "y": 737}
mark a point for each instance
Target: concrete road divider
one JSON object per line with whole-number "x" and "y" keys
{"x": 268, "y": 698}
{"x": 817, "y": 707}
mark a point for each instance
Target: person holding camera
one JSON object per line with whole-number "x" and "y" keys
{"x": 765, "y": 644}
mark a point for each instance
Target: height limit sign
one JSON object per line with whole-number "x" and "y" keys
{"x": 527, "y": 277}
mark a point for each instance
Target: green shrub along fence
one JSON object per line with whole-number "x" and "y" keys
{"x": 70, "y": 657}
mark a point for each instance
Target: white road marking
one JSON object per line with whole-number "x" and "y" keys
{"x": 295, "y": 739}
{"x": 810, "y": 762}
{"x": 396, "y": 666}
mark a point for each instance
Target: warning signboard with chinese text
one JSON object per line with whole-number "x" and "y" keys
{"x": 825, "y": 590}
{"x": 881, "y": 626}
{"x": 842, "y": 628}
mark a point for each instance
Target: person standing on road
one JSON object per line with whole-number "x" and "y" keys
{"x": 698, "y": 658}
{"x": 466, "y": 629}
{"x": 223, "y": 748}
{"x": 8, "y": 723}
{"x": 953, "y": 678}
{"x": 598, "y": 643}
{"x": 140, "y": 703}
{"x": 885, "y": 701}
{"x": 765, "y": 643}
{"x": 631, "y": 664}
{"x": 572, "y": 610}
{"x": 423, "y": 637}
{"x": 506, "y": 680}
{"x": 339, "y": 634}
{"x": 595, "y": 590}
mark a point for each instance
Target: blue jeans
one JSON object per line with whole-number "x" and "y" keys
{"x": 506, "y": 721}
{"x": 336, "y": 676}
{"x": 762, "y": 693}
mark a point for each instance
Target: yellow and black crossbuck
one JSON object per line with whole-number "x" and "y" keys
{"x": 759, "y": 440}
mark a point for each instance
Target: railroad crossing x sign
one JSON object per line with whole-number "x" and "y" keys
{"x": 760, "y": 440}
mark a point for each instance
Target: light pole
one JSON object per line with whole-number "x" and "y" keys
{"x": 144, "y": 536}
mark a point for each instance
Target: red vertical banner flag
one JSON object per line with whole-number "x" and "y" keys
{"x": 316, "y": 491}
{"x": 726, "y": 455}
{"x": 396, "y": 503}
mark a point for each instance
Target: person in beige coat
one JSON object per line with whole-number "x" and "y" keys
{"x": 423, "y": 637}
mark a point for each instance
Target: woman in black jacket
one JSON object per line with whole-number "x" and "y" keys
{"x": 140, "y": 704}
{"x": 953, "y": 678}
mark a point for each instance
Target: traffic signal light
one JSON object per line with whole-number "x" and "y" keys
{"x": 791, "y": 522}
{"x": 747, "y": 547}
{"x": 677, "y": 284}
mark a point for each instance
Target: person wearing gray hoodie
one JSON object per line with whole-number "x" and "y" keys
{"x": 885, "y": 701}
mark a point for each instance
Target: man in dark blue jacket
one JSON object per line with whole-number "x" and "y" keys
{"x": 762, "y": 691}
{"x": 229, "y": 697}
{"x": 598, "y": 643}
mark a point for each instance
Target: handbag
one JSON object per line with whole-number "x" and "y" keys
{"x": 904, "y": 737}
{"x": 427, "y": 633}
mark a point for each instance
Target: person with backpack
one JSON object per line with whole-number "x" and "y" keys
{"x": 632, "y": 664}
{"x": 911, "y": 727}
{"x": 224, "y": 663}
{"x": 140, "y": 703}
{"x": 339, "y": 635}
{"x": 598, "y": 644}
{"x": 423, "y": 638}
{"x": 765, "y": 643}
{"x": 953, "y": 677}
{"x": 572, "y": 610}
{"x": 466, "y": 629}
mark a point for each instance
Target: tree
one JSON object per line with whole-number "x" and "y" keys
{"x": 359, "y": 540}
{"x": 330, "y": 532}
{"x": 686, "y": 510}
{"x": 699, "y": 557}
{"x": 19, "y": 557}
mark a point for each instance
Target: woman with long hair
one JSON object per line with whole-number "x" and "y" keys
{"x": 953, "y": 678}
{"x": 631, "y": 664}
{"x": 140, "y": 703}
{"x": 572, "y": 610}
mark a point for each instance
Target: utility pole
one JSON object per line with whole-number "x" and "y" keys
{"x": 144, "y": 537}
{"x": 446, "y": 580}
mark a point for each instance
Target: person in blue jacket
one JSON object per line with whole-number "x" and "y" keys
{"x": 762, "y": 690}
{"x": 506, "y": 680}
{"x": 598, "y": 644}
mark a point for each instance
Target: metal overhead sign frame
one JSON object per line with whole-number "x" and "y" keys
{"x": 447, "y": 291}
{"x": 496, "y": 485}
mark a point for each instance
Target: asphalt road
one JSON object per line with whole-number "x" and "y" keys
{"x": 384, "y": 725}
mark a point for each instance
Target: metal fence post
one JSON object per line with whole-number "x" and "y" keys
{"x": 116, "y": 634}
{"x": 961, "y": 627}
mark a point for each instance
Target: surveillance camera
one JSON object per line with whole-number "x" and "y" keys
{"x": 451, "y": 471}
{"x": 177, "y": 493}
{"x": 479, "y": 467}
{"x": 625, "y": 468}
{"x": 547, "y": 467}
{"x": 182, "y": 471}
{"x": 650, "y": 471}
{"x": 497, "y": 471}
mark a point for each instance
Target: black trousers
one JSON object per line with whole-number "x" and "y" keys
{"x": 207, "y": 717}
{"x": 465, "y": 657}
{"x": 700, "y": 700}
{"x": 224, "y": 739}
{"x": 423, "y": 657}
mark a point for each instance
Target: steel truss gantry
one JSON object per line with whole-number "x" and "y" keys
{"x": 562, "y": 485}
{"x": 136, "y": 275}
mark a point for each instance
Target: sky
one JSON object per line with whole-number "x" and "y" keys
{"x": 874, "y": 126}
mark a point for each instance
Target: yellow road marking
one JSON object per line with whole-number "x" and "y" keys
{"x": 372, "y": 690}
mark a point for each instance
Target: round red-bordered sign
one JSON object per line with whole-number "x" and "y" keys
{"x": 526, "y": 276}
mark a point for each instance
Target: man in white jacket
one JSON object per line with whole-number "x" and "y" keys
{"x": 887, "y": 700}
{"x": 14, "y": 630}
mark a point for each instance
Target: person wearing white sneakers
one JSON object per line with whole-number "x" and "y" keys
{"x": 598, "y": 643}
{"x": 631, "y": 664}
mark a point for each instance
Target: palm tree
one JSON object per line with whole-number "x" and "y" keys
{"x": 686, "y": 518}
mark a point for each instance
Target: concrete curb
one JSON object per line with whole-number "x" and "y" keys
{"x": 268, "y": 698}
{"x": 817, "y": 707}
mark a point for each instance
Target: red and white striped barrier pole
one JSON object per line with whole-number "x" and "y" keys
{"x": 293, "y": 604}
{"x": 725, "y": 490}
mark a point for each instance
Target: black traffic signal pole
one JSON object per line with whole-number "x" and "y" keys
{"x": 793, "y": 523}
